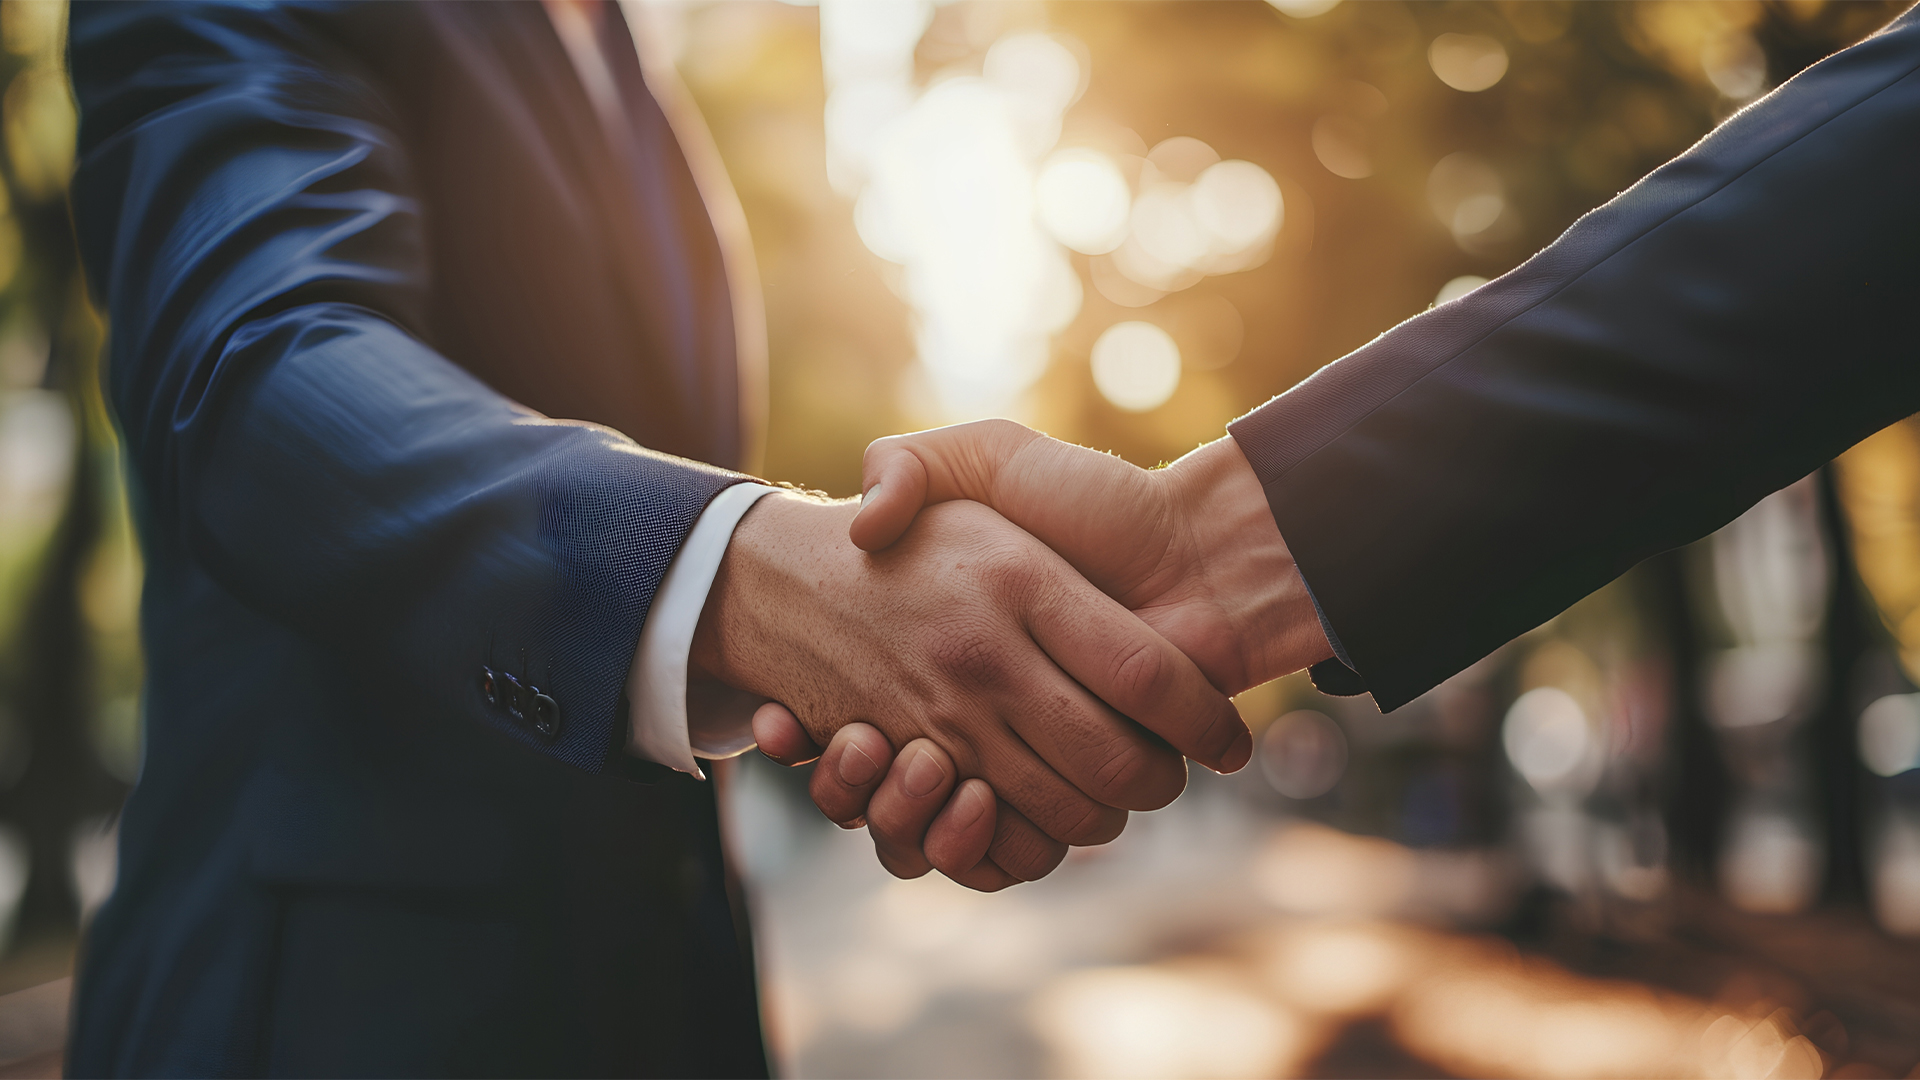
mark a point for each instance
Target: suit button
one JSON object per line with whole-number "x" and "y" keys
{"x": 546, "y": 714}
{"x": 489, "y": 686}
{"x": 514, "y": 695}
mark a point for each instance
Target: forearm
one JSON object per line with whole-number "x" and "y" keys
{"x": 1716, "y": 332}
{"x": 370, "y": 494}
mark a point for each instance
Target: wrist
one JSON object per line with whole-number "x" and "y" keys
{"x": 785, "y": 545}
{"x": 1234, "y": 541}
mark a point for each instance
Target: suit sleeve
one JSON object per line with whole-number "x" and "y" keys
{"x": 1717, "y": 331}
{"x": 244, "y": 206}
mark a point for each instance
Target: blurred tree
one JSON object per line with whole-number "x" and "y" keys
{"x": 55, "y": 431}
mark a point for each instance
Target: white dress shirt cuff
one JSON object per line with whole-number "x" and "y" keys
{"x": 676, "y": 719}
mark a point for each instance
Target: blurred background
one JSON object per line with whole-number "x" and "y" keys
{"x": 1674, "y": 832}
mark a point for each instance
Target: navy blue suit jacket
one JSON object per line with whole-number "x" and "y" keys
{"x": 355, "y": 258}
{"x": 1714, "y": 333}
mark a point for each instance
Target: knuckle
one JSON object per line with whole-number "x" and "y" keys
{"x": 1026, "y": 853}
{"x": 955, "y": 738}
{"x": 889, "y": 828}
{"x": 1144, "y": 676}
{"x": 1088, "y": 824}
{"x": 1008, "y": 570}
{"x": 889, "y": 448}
{"x": 1141, "y": 777}
{"x": 902, "y": 868}
{"x": 901, "y": 855}
{"x": 998, "y": 432}
{"x": 1224, "y": 728}
{"x": 833, "y": 800}
{"x": 970, "y": 658}
{"x": 986, "y": 881}
{"x": 1215, "y": 733}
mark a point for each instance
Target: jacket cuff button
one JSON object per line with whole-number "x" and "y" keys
{"x": 546, "y": 715}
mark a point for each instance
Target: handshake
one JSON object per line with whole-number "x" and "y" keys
{"x": 1024, "y": 640}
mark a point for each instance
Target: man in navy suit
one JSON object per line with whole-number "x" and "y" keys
{"x": 1714, "y": 333}
{"x": 427, "y": 362}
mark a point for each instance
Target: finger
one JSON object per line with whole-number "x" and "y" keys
{"x": 1029, "y": 784}
{"x": 1142, "y": 676}
{"x": 895, "y": 490}
{"x": 853, "y": 765}
{"x": 1015, "y": 686}
{"x": 984, "y": 877}
{"x": 781, "y": 737}
{"x": 1102, "y": 754}
{"x": 1095, "y": 750}
{"x": 1022, "y": 850}
{"x": 915, "y": 790}
{"x": 957, "y": 839}
{"x": 901, "y": 474}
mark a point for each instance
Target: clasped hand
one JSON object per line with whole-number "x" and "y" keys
{"x": 1041, "y": 630}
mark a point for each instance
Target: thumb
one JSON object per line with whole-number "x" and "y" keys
{"x": 780, "y": 736}
{"x": 894, "y": 488}
{"x": 902, "y": 474}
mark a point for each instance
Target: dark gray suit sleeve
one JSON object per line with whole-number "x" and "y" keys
{"x": 245, "y": 207}
{"x": 1717, "y": 331}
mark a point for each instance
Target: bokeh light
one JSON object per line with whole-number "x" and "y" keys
{"x": 1312, "y": 870}
{"x": 1467, "y": 195}
{"x": 1547, "y": 737}
{"x": 1239, "y": 205}
{"x": 1168, "y": 229}
{"x": 1136, "y": 366}
{"x": 1304, "y": 9}
{"x": 1341, "y": 967}
{"x": 1303, "y": 754}
{"x": 964, "y": 183}
{"x": 1083, "y": 201}
{"x": 1455, "y": 288}
{"x": 1735, "y": 65}
{"x": 1889, "y": 734}
{"x": 945, "y": 183}
{"x": 1771, "y": 861}
{"x": 1469, "y": 62}
{"x": 1895, "y": 880}
{"x": 1340, "y": 144}
{"x": 1151, "y": 1022}
{"x": 1179, "y": 160}
{"x": 1207, "y": 327}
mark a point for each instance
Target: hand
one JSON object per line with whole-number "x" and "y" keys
{"x": 1191, "y": 548}
{"x": 973, "y": 635}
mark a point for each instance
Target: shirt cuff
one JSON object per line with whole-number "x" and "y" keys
{"x": 673, "y": 719}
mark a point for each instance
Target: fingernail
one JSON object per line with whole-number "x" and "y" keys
{"x": 976, "y": 803}
{"x": 923, "y": 775}
{"x": 867, "y": 495}
{"x": 1238, "y": 754}
{"x": 856, "y": 768}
